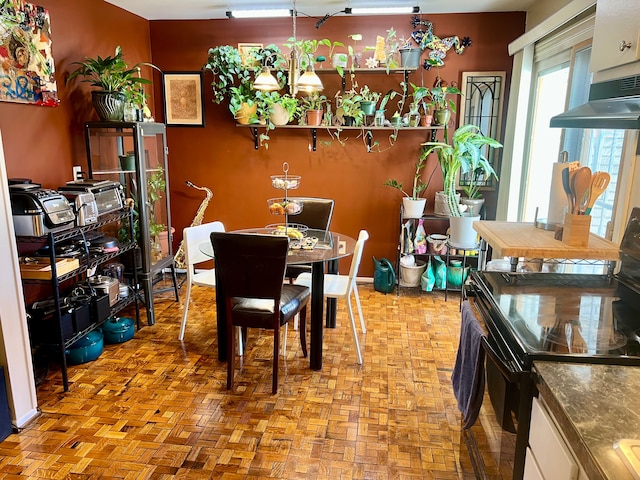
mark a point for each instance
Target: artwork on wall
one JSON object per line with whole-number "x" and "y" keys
{"x": 26, "y": 64}
{"x": 247, "y": 51}
{"x": 183, "y": 99}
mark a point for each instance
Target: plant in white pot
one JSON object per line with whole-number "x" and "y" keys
{"x": 471, "y": 188}
{"x": 466, "y": 152}
{"x": 414, "y": 204}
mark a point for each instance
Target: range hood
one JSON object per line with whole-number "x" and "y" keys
{"x": 614, "y": 104}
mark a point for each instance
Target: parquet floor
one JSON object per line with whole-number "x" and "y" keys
{"x": 155, "y": 407}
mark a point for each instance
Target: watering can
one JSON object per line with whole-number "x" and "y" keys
{"x": 384, "y": 276}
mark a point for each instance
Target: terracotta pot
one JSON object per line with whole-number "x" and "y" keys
{"x": 245, "y": 112}
{"x": 314, "y": 117}
{"x": 425, "y": 120}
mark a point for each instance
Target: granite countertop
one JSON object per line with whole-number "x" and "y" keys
{"x": 595, "y": 406}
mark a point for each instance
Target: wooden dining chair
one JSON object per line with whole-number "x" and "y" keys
{"x": 316, "y": 214}
{"x": 251, "y": 272}
{"x": 193, "y": 237}
{"x": 343, "y": 286}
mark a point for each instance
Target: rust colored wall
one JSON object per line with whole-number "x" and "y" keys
{"x": 222, "y": 157}
{"x": 43, "y": 143}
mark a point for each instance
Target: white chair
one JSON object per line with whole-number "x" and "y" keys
{"x": 193, "y": 237}
{"x": 342, "y": 286}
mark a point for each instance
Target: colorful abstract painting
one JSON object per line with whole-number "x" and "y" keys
{"x": 26, "y": 64}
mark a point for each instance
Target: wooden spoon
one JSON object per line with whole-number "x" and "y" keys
{"x": 599, "y": 183}
{"x": 580, "y": 184}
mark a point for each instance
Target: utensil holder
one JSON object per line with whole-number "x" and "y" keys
{"x": 576, "y": 230}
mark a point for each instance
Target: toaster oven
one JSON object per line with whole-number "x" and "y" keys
{"x": 38, "y": 211}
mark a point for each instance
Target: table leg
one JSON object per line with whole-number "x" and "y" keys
{"x": 331, "y": 302}
{"x": 317, "y": 311}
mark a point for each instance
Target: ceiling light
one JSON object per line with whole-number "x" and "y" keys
{"x": 264, "y": 13}
{"x": 383, "y": 10}
{"x": 266, "y": 81}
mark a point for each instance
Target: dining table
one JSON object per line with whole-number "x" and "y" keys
{"x": 330, "y": 247}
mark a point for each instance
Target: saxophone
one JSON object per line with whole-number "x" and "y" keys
{"x": 179, "y": 258}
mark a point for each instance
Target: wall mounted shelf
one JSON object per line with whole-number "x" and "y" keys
{"x": 368, "y": 131}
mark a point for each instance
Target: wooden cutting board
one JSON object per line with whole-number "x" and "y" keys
{"x": 40, "y": 268}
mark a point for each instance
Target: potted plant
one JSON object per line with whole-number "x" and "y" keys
{"x": 443, "y": 105}
{"x": 474, "y": 199}
{"x": 409, "y": 56}
{"x": 226, "y": 64}
{"x": 413, "y": 203}
{"x": 465, "y": 153}
{"x": 311, "y": 108}
{"x": 422, "y": 98}
{"x": 113, "y": 77}
{"x": 368, "y": 101}
{"x": 348, "y": 108}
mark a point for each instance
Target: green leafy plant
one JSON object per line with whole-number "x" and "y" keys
{"x": 111, "y": 73}
{"x": 472, "y": 188}
{"x": 229, "y": 72}
{"x": 369, "y": 95}
{"x": 313, "y": 101}
{"x": 419, "y": 186}
{"x": 465, "y": 153}
{"x": 422, "y": 97}
{"x": 348, "y": 105}
{"x": 439, "y": 99}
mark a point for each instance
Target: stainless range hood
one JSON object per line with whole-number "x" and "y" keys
{"x": 612, "y": 105}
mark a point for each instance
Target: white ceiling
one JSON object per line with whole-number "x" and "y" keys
{"x": 210, "y": 9}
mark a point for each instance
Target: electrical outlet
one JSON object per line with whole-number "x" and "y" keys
{"x": 76, "y": 172}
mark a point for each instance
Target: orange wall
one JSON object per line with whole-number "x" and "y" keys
{"x": 43, "y": 143}
{"x": 222, "y": 156}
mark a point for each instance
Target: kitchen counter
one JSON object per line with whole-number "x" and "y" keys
{"x": 595, "y": 406}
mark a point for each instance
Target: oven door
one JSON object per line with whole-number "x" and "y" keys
{"x": 508, "y": 378}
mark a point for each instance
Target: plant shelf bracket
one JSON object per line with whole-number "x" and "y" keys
{"x": 256, "y": 141}
{"x": 314, "y": 138}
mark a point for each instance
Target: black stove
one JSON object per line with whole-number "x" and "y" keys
{"x": 565, "y": 317}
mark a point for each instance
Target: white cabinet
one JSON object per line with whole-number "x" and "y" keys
{"x": 548, "y": 455}
{"x": 617, "y": 22}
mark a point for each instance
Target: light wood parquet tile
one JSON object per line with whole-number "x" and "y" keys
{"x": 156, "y": 408}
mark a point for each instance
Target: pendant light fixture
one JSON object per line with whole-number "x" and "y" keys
{"x": 309, "y": 81}
{"x": 265, "y": 81}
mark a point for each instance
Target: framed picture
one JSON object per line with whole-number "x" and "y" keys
{"x": 246, "y": 50}
{"x": 183, "y": 99}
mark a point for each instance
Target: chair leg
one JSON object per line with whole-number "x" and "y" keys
{"x": 276, "y": 359}
{"x": 231, "y": 354}
{"x": 353, "y": 329}
{"x": 303, "y": 330}
{"x": 186, "y": 310}
{"x": 357, "y": 295}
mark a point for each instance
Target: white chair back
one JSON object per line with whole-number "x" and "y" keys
{"x": 193, "y": 237}
{"x": 357, "y": 256}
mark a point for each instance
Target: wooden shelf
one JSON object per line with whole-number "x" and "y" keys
{"x": 314, "y": 130}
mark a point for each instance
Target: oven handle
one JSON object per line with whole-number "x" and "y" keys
{"x": 505, "y": 370}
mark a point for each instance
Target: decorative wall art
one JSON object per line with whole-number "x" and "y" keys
{"x": 438, "y": 47}
{"x": 246, "y": 53}
{"x": 183, "y": 99}
{"x": 26, "y": 64}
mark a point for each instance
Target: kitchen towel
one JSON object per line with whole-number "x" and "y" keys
{"x": 468, "y": 372}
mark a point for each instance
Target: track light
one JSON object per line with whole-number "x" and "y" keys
{"x": 384, "y": 10}
{"x": 263, "y": 13}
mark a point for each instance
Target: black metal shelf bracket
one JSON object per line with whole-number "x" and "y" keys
{"x": 314, "y": 138}
{"x": 369, "y": 135}
{"x": 256, "y": 142}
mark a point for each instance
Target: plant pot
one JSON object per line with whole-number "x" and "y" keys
{"x": 441, "y": 117}
{"x": 410, "y": 57}
{"x": 396, "y": 122}
{"x": 441, "y": 205}
{"x": 280, "y": 115}
{"x": 425, "y": 120}
{"x": 456, "y": 274}
{"x": 245, "y": 112}
{"x": 474, "y": 205}
{"x": 108, "y": 105}
{"x": 379, "y": 118}
{"x": 410, "y": 275}
{"x": 314, "y": 117}
{"x": 437, "y": 244}
{"x": 461, "y": 232}
{"x": 163, "y": 240}
{"x": 349, "y": 121}
{"x": 413, "y": 208}
{"x": 339, "y": 60}
{"x": 127, "y": 163}
{"x": 368, "y": 108}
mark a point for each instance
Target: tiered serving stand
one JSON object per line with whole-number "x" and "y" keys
{"x": 284, "y": 205}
